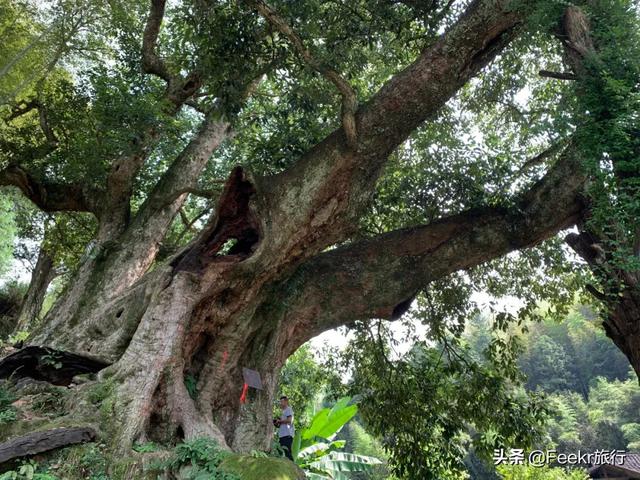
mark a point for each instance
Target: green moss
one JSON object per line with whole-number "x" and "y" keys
{"x": 252, "y": 468}
{"x": 21, "y": 427}
{"x": 51, "y": 403}
{"x": 102, "y": 395}
{"x": 100, "y": 391}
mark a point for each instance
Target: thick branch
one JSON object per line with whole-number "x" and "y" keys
{"x": 378, "y": 278}
{"x": 183, "y": 173}
{"x": 116, "y": 211}
{"x": 46, "y": 195}
{"x": 154, "y": 217}
{"x": 179, "y": 89}
{"x": 316, "y": 202}
{"x": 575, "y": 35}
{"x": 151, "y": 62}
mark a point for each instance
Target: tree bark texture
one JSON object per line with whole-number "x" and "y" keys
{"x": 620, "y": 295}
{"x": 38, "y": 442}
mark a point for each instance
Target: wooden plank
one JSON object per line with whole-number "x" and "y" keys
{"x": 38, "y": 442}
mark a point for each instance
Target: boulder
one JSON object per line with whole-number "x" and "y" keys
{"x": 262, "y": 468}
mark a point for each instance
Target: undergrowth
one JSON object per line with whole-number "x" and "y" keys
{"x": 199, "y": 459}
{"x": 7, "y": 412}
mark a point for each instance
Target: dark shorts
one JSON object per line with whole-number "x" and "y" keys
{"x": 286, "y": 443}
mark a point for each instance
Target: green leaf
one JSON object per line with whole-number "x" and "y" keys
{"x": 328, "y": 422}
{"x": 336, "y": 463}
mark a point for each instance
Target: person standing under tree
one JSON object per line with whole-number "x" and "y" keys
{"x": 285, "y": 426}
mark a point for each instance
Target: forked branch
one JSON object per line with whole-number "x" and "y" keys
{"x": 379, "y": 277}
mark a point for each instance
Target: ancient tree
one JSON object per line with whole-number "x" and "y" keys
{"x": 278, "y": 254}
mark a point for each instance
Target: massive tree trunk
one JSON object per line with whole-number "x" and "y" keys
{"x": 619, "y": 284}
{"x": 260, "y": 279}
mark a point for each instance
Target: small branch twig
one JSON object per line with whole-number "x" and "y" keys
{"x": 349, "y": 98}
{"x": 35, "y": 104}
{"x": 22, "y": 109}
{"x": 557, "y": 75}
{"x": 543, "y": 156}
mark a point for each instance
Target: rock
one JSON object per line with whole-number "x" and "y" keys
{"x": 252, "y": 468}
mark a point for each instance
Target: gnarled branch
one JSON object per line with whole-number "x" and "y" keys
{"x": 179, "y": 88}
{"x": 378, "y": 278}
{"x": 47, "y": 195}
{"x": 151, "y": 61}
{"x": 329, "y": 187}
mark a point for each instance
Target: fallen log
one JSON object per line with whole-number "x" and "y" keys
{"x": 38, "y": 442}
{"x": 54, "y": 366}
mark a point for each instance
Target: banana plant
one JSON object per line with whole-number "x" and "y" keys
{"x": 315, "y": 449}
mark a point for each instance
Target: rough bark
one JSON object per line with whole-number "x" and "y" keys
{"x": 49, "y": 196}
{"x": 38, "y": 442}
{"x": 620, "y": 286}
{"x": 113, "y": 267}
{"x": 379, "y": 277}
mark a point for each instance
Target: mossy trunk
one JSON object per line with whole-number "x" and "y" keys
{"x": 195, "y": 320}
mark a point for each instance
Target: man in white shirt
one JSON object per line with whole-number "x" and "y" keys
{"x": 286, "y": 430}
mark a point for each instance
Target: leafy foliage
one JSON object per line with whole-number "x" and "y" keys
{"x": 527, "y": 472}
{"x": 302, "y": 379}
{"x": 608, "y": 419}
{"x": 11, "y": 295}
{"x": 7, "y": 411}
{"x": 423, "y": 404}
{"x": 8, "y": 229}
{"x": 570, "y": 355}
{"x": 359, "y": 441}
{"x": 428, "y": 405}
{"x": 27, "y": 471}
{"x": 203, "y": 457}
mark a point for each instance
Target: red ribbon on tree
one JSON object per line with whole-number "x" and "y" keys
{"x": 243, "y": 397}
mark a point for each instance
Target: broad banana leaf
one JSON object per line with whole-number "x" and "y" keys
{"x": 320, "y": 449}
{"x": 328, "y": 422}
{"x": 338, "y": 464}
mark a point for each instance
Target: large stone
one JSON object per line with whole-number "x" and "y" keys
{"x": 254, "y": 468}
